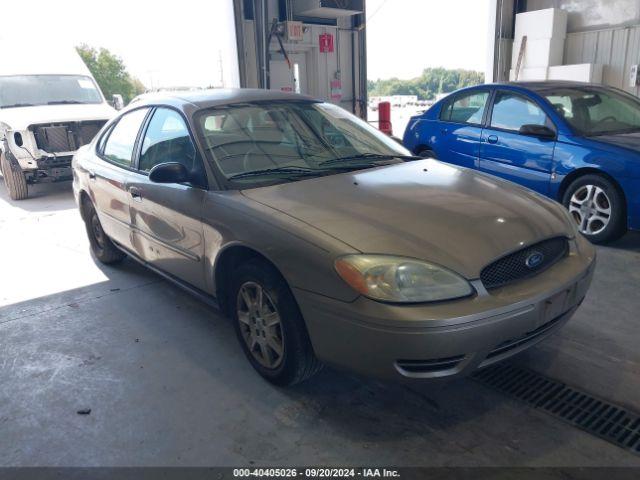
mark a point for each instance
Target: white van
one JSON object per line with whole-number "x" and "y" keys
{"x": 50, "y": 105}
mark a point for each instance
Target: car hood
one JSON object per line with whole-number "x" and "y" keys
{"x": 19, "y": 118}
{"x": 425, "y": 209}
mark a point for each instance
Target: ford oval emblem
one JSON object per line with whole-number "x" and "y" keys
{"x": 534, "y": 260}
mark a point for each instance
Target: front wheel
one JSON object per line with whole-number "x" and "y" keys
{"x": 269, "y": 325}
{"x": 14, "y": 178}
{"x": 597, "y": 207}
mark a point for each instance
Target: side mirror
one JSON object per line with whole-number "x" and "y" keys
{"x": 117, "y": 101}
{"x": 171, "y": 172}
{"x": 541, "y": 131}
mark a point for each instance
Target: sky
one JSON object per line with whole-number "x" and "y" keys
{"x": 168, "y": 43}
{"x": 406, "y": 36}
{"x": 163, "y": 43}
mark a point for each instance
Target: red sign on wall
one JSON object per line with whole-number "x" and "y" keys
{"x": 326, "y": 43}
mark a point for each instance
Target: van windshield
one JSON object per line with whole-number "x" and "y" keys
{"x": 32, "y": 90}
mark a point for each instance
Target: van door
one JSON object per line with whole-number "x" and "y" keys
{"x": 506, "y": 153}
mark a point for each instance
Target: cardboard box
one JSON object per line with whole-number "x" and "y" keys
{"x": 583, "y": 72}
{"x": 529, "y": 74}
{"x": 547, "y": 23}
{"x": 538, "y": 52}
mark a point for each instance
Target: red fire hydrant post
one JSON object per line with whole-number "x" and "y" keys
{"x": 384, "y": 118}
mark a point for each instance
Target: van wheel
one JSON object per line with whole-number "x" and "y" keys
{"x": 14, "y": 178}
{"x": 101, "y": 245}
{"x": 598, "y": 208}
{"x": 269, "y": 325}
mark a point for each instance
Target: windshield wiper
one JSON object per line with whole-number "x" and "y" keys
{"x": 367, "y": 156}
{"x": 15, "y": 105}
{"x": 298, "y": 171}
{"x": 65, "y": 102}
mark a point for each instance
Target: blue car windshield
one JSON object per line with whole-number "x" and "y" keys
{"x": 596, "y": 111}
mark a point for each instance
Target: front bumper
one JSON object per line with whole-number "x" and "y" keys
{"x": 447, "y": 339}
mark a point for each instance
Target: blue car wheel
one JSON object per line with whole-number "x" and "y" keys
{"x": 598, "y": 208}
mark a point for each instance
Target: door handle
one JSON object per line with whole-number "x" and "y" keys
{"x": 92, "y": 176}
{"x": 492, "y": 139}
{"x": 135, "y": 193}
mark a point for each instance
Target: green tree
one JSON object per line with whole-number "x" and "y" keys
{"x": 432, "y": 82}
{"x": 110, "y": 73}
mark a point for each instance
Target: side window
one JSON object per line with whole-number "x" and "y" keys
{"x": 466, "y": 108}
{"x": 119, "y": 145}
{"x": 167, "y": 140}
{"x": 511, "y": 111}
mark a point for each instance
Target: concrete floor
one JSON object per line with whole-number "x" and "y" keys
{"x": 168, "y": 384}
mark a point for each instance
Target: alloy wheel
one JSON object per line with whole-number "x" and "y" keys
{"x": 260, "y": 325}
{"x": 591, "y": 209}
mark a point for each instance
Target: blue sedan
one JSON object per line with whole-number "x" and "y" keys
{"x": 574, "y": 142}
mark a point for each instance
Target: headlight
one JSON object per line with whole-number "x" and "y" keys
{"x": 400, "y": 279}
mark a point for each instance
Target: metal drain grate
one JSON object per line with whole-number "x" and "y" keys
{"x": 599, "y": 417}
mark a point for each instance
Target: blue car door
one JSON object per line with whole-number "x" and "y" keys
{"x": 457, "y": 139}
{"x": 515, "y": 156}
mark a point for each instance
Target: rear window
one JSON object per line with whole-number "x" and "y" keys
{"x": 465, "y": 108}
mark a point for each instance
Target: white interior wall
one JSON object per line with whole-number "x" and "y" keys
{"x": 322, "y": 68}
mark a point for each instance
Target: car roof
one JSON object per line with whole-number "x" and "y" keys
{"x": 538, "y": 86}
{"x": 218, "y": 96}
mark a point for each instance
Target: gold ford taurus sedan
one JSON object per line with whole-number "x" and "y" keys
{"x": 324, "y": 240}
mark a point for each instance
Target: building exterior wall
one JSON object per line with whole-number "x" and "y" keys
{"x": 586, "y": 15}
{"x": 605, "y": 32}
{"x": 615, "y": 48}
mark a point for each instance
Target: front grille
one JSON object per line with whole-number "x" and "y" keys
{"x": 55, "y": 138}
{"x": 429, "y": 366}
{"x": 65, "y": 137}
{"x": 516, "y": 266}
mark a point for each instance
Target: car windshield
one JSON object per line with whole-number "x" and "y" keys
{"x": 596, "y": 111}
{"x": 287, "y": 141}
{"x": 31, "y": 90}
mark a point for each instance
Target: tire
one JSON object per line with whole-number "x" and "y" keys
{"x": 101, "y": 245}
{"x": 297, "y": 361}
{"x": 427, "y": 153}
{"x": 588, "y": 198}
{"x": 14, "y": 179}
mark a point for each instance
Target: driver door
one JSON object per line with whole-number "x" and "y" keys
{"x": 506, "y": 153}
{"x": 166, "y": 218}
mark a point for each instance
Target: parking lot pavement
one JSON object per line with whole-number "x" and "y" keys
{"x": 167, "y": 383}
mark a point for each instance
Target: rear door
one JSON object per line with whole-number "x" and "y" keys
{"x": 167, "y": 218}
{"x": 506, "y": 153}
{"x": 458, "y": 133}
{"x": 108, "y": 176}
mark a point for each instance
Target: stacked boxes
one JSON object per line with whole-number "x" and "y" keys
{"x": 545, "y": 31}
